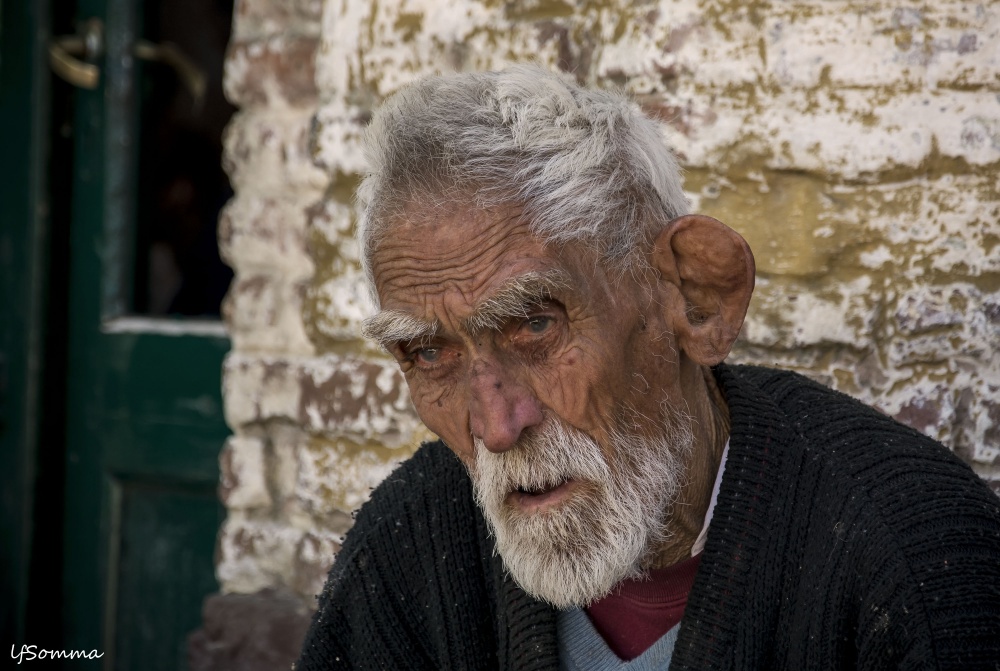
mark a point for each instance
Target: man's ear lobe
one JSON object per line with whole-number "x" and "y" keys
{"x": 713, "y": 268}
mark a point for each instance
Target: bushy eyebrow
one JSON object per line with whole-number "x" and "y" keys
{"x": 515, "y": 298}
{"x": 392, "y": 326}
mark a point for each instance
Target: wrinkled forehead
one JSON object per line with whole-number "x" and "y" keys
{"x": 508, "y": 298}
{"x": 426, "y": 201}
{"x": 431, "y": 243}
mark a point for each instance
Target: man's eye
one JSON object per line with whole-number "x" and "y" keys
{"x": 428, "y": 354}
{"x": 538, "y": 324}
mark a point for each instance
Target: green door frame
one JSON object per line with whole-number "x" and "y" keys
{"x": 24, "y": 243}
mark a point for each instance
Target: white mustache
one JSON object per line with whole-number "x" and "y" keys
{"x": 576, "y": 552}
{"x": 541, "y": 460}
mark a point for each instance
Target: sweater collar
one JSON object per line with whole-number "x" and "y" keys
{"x": 760, "y": 448}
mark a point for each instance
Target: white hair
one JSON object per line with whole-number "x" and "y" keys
{"x": 584, "y": 165}
{"x": 604, "y": 533}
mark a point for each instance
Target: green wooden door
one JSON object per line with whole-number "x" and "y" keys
{"x": 144, "y": 411}
{"x": 142, "y": 404}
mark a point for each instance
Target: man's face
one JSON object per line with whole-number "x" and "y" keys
{"x": 556, "y": 385}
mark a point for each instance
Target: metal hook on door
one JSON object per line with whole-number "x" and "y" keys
{"x": 65, "y": 52}
{"x": 192, "y": 77}
{"x": 88, "y": 44}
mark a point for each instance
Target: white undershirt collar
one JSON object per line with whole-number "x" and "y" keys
{"x": 699, "y": 543}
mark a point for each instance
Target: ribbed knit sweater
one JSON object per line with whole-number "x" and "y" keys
{"x": 840, "y": 540}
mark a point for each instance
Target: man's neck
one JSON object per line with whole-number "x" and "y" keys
{"x": 710, "y": 424}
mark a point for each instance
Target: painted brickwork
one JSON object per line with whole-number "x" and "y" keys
{"x": 855, "y": 144}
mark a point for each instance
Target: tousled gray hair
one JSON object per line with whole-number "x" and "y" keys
{"x": 584, "y": 165}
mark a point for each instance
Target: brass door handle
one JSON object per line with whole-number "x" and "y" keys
{"x": 65, "y": 50}
{"x": 192, "y": 77}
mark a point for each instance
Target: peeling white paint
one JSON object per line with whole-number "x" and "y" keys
{"x": 346, "y": 302}
{"x": 248, "y": 488}
{"x": 254, "y": 554}
{"x": 876, "y": 258}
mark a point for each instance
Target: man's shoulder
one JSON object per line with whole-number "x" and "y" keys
{"x": 431, "y": 466}
{"x": 431, "y": 478}
{"x": 858, "y": 449}
{"x": 411, "y": 563}
{"x": 829, "y": 418}
{"x": 792, "y": 391}
{"x": 856, "y": 446}
{"x": 423, "y": 508}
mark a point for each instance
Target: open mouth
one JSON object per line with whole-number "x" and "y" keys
{"x": 539, "y": 489}
{"x": 537, "y": 497}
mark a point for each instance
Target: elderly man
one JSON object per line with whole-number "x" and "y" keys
{"x": 621, "y": 498}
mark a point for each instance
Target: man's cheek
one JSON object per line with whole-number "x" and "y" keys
{"x": 426, "y": 395}
{"x": 441, "y": 411}
{"x": 571, "y": 387}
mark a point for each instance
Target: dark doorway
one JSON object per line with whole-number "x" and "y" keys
{"x": 182, "y": 186}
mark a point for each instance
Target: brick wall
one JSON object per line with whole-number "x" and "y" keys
{"x": 856, "y": 145}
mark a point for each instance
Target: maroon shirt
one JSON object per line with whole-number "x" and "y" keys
{"x": 638, "y": 612}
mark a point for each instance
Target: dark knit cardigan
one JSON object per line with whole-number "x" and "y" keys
{"x": 840, "y": 540}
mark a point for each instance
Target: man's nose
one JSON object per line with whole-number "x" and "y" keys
{"x": 500, "y": 407}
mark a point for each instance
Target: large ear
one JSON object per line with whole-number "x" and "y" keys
{"x": 713, "y": 267}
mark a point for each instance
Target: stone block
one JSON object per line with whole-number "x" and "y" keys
{"x": 338, "y": 132}
{"x": 264, "y": 314}
{"x": 789, "y": 219}
{"x": 256, "y": 19}
{"x": 929, "y": 408}
{"x": 336, "y": 307}
{"x": 940, "y": 323}
{"x": 363, "y": 399}
{"x": 682, "y": 44}
{"x": 926, "y": 309}
{"x": 978, "y": 440}
{"x": 269, "y": 154}
{"x": 338, "y": 475}
{"x": 285, "y": 439}
{"x": 260, "y": 234}
{"x": 873, "y": 45}
{"x": 850, "y": 133}
{"x": 249, "y": 632}
{"x": 332, "y": 242}
{"x": 313, "y": 558}
{"x": 243, "y": 483}
{"x": 789, "y": 315}
{"x": 809, "y": 225}
{"x": 255, "y": 554}
{"x": 277, "y": 71}
{"x": 259, "y": 388}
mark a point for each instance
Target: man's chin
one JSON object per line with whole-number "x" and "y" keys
{"x": 563, "y": 553}
{"x": 565, "y": 578}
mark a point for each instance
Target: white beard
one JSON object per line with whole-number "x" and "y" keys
{"x": 575, "y": 553}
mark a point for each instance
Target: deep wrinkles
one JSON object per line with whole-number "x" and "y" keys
{"x": 462, "y": 260}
